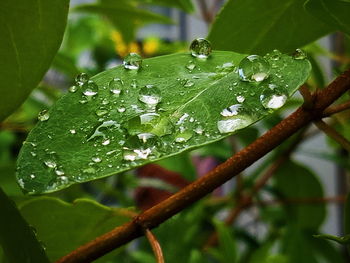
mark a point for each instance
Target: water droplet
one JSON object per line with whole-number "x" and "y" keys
{"x": 50, "y": 163}
{"x": 81, "y": 79}
{"x": 150, "y": 123}
{"x": 240, "y": 98}
{"x": 106, "y": 142}
{"x": 188, "y": 83}
{"x": 43, "y": 115}
{"x": 122, "y": 109}
{"x": 73, "y": 88}
{"x": 299, "y": 54}
{"x": 59, "y": 172}
{"x": 99, "y": 131}
{"x": 140, "y": 146}
{"x": 200, "y": 48}
{"x": 101, "y": 112}
{"x": 133, "y": 83}
{"x": 183, "y": 136}
{"x": 199, "y": 130}
{"x": 96, "y": 159}
{"x": 231, "y": 110}
{"x": 116, "y": 86}
{"x": 132, "y": 61}
{"x": 90, "y": 170}
{"x": 273, "y": 97}
{"x": 32, "y": 176}
{"x": 232, "y": 124}
{"x": 254, "y": 68}
{"x": 150, "y": 95}
{"x": 105, "y": 102}
{"x": 33, "y": 154}
{"x": 73, "y": 131}
{"x": 190, "y": 66}
{"x": 90, "y": 88}
{"x": 275, "y": 55}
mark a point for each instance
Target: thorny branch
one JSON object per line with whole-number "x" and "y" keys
{"x": 156, "y": 215}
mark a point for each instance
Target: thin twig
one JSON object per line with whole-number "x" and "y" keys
{"x": 336, "y": 109}
{"x": 331, "y": 132}
{"x": 157, "y": 250}
{"x": 206, "y": 184}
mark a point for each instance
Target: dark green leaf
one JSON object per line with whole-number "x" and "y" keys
{"x": 250, "y": 26}
{"x": 90, "y": 137}
{"x": 296, "y": 182}
{"x": 31, "y": 33}
{"x": 124, "y": 16}
{"x": 17, "y": 238}
{"x": 63, "y": 227}
{"x": 334, "y": 13}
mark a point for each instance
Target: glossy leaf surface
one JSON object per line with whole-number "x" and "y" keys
{"x": 31, "y": 33}
{"x": 171, "y": 104}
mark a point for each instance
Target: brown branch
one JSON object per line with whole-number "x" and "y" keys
{"x": 207, "y": 16}
{"x": 307, "y": 96}
{"x": 336, "y": 109}
{"x": 157, "y": 250}
{"x": 331, "y": 132}
{"x": 198, "y": 189}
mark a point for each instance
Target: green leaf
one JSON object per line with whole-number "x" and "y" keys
{"x": 62, "y": 227}
{"x": 185, "y": 5}
{"x": 334, "y": 13}
{"x": 17, "y": 238}
{"x": 345, "y": 240}
{"x": 295, "y": 182}
{"x": 90, "y": 137}
{"x": 124, "y": 16}
{"x": 250, "y": 26}
{"x": 31, "y": 33}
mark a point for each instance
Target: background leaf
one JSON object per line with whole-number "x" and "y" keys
{"x": 62, "y": 227}
{"x": 28, "y": 46}
{"x": 187, "y": 117}
{"x": 334, "y": 13}
{"x": 249, "y": 26}
{"x": 17, "y": 238}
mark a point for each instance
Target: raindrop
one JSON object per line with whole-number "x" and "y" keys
{"x": 231, "y": 110}
{"x": 273, "y": 97}
{"x": 101, "y": 112}
{"x": 200, "y": 48}
{"x": 240, "y": 98}
{"x": 140, "y": 146}
{"x": 275, "y": 55}
{"x": 81, "y": 79}
{"x": 73, "y": 88}
{"x": 43, "y": 115}
{"x": 50, "y": 163}
{"x": 116, "y": 86}
{"x": 90, "y": 88}
{"x": 106, "y": 142}
{"x": 232, "y": 124}
{"x": 59, "y": 172}
{"x": 188, "y": 83}
{"x": 133, "y": 83}
{"x": 150, "y": 95}
{"x": 183, "y": 136}
{"x": 73, "y": 131}
{"x": 99, "y": 130}
{"x": 122, "y": 109}
{"x": 190, "y": 66}
{"x": 254, "y": 69}
{"x": 96, "y": 159}
{"x": 150, "y": 123}
{"x": 299, "y": 54}
{"x": 32, "y": 176}
{"x": 132, "y": 61}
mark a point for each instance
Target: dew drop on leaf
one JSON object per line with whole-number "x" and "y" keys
{"x": 273, "y": 97}
{"x": 240, "y": 98}
{"x": 90, "y": 88}
{"x": 150, "y": 95}
{"x": 81, "y": 79}
{"x": 132, "y": 61}
{"x": 231, "y": 110}
{"x": 299, "y": 54}
{"x": 43, "y": 115}
{"x": 200, "y": 48}
{"x": 116, "y": 86}
{"x": 254, "y": 68}
{"x": 73, "y": 88}
{"x": 232, "y": 124}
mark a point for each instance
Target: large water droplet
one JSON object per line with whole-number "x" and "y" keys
{"x": 116, "y": 86}
{"x": 183, "y": 136}
{"x": 90, "y": 88}
{"x": 150, "y": 95}
{"x": 240, "y": 98}
{"x": 299, "y": 54}
{"x": 273, "y": 97}
{"x": 43, "y": 115}
{"x": 150, "y": 123}
{"x": 200, "y": 48}
{"x": 141, "y": 146}
{"x": 132, "y": 61}
{"x": 50, "y": 163}
{"x": 254, "y": 68}
{"x": 99, "y": 131}
{"x": 232, "y": 110}
{"x": 81, "y": 79}
{"x": 232, "y": 124}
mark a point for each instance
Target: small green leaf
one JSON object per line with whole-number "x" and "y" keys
{"x": 95, "y": 131}
{"x": 62, "y": 227}
{"x": 28, "y": 46}
{"x": 17, "y": 239}
{"x": 334, "y": 13}
{"x": 250, "y": 26}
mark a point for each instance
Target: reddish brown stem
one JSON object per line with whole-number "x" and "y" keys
{"x": 157, "y": 250}
{"x": 336, "y": 109}
{"x": 198, "y": 189}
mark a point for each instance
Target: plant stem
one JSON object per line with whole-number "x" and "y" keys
{"x": 201, "y": 187}
{"x": 336, "y": 109}
{"x": 157, "y": 250}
